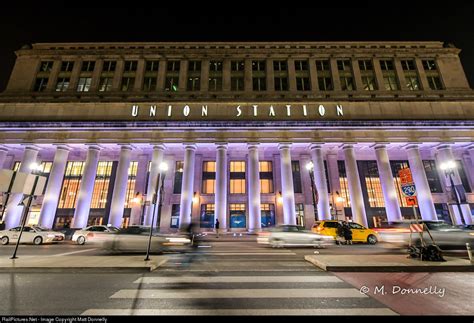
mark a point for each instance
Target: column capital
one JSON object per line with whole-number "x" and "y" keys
{"x": 221, "y": 145}
{"x": 316, "y": 145}
{"x": 347, "y": 146}
{"x": 190, "y": 146}
{"x": 444, "y": 146}
{"x": 284, "y": 145}
{"x": 32, "y": 147}
{"x": 4, "y": 149}
{"x": 126, "y": 147}
{"x": 411, "y": 147}
{"x": 253, "y": 145}
{"x": 63, "y": 147}
{"x": 470, "y": 147}
{"x": 93, "y": 147}
{"x": 158, "y": 146}
{"x": 380, "y": 146}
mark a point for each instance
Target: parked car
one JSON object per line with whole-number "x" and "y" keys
{"x": 31, "y": 234}
{"x": 92, "y": 233}
{"x": 135, "y": 239}
{"x": 359, "y": 232}
{"x": 444, "y": 234}
{"x": 292, "y": 235}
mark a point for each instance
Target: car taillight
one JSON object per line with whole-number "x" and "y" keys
{"x": 264, "y": 233}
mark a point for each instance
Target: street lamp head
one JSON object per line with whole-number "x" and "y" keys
{"x": 449, "y": 165}
{"x": 163, "y": 167}
{"x": 340, "y": 199}
{"x": 310, "y": 166}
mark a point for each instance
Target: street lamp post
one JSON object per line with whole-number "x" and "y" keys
{"x": 162, "y": 168}
{"x": 448, "y": 168}
{"x": 310, "y": 167}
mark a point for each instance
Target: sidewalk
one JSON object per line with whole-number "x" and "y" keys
{"x": 387, "y": 263}
{"x": 81, "y": 263}
{"x": 228, "y": 237}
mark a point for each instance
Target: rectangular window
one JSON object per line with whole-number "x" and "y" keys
{"x": 238, "y": 218}
{"x": 84, "y": 84}
{"x": 208, "y": 177}
{"x": 408, "y": 65}
{"x": 109, "y": 66}
{"x": 127, "y": 83}
{"x": 237, "y": 83}
{"x": 266, "y": 177}
{"x": 175, "y": 216}
{"x": 429, "y": 65}
{"x": 434, "y": 82}
{"x": 149, "y": 84}
{"x": 130, "y": 66}
{"x": 413, "y": 84}
{"x": 368, "y": 83}
{"x": 432, "y": 176}
{"x": 463, "y": 176}
{"x": 40, "y": 84}
{"x": 365, "y": 65}
{"x": 386, "y": 65}
{"x": 194, "y": 66}
{"x": 258, "y": 66}
{"x": 281, "y": 84}
{"x": 279, "y": 66}
{"x": 325, "y": 83}
{"x": 303, "y": 84}
{"x": 101, "y": 185}
{"x": 259, "y": 83}
{"x": 152, "y": 66}
{"x": 71, "y": 182}
{"x": 390, "y": 83}
{"x": 322, "y": 65}
{"x": 301, "y": 66}
{"x": 215, "y": 66}
{"x": 295, "y": 167}
{"x": 67, "y": 66}
{"x": 105, "y": 84}
{"x": 237, "y": 66}
{"x": 344, "y": 65}
{"x": 178, "y": 177}
{"x": 132, "y": 175}
{"x": 194, "y": 84}
{"x": 299, "y": 207}
{"x": 88, "y": 66}
{"x": 346, "y": 202}
{"x": 62, "y": 84}
{"x": 237, "y": 177}
{"x": 268, "y": 215}
{"x": 347, "y": 83}
{"x": 173, "y": 66}
{"x": 370, "y": 173}
{"x": 207, "y": 216}
{"x": 46, "y": 66}
{"x": 215, "y": 84}
{"x": 171, "y": 83}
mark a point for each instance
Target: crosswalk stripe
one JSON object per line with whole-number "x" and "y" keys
{"x": 319, "y": 311}
{"x": 239, "y": 293}
{"x": 245, "y": 253}
{"x": 239, "y": 279}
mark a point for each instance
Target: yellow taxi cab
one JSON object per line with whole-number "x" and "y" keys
{"x": 359, "y": 232}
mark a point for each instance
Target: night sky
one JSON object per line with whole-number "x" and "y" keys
{"x": 237, "y": 22}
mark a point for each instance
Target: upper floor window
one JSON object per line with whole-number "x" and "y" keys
{"x": 344, "y": 65}
{"x": 194, "y": 66}
{"x": 237, "y": 66}
{"x": 208, "y": 177}
{"x": 172, "y": 66}
{"x": 130, "y": 66}
{"x": 88, "y": 66}
{"x": 109, "y": 66}
{"x": 413, "y": 83}
{"x": 386, "y": 65}
{"x": 301, "y": 65}
{"x": 368, "y": 83}
{"x": 259, "y": 83}
{"x": 281, "y": 84}
{"x": 84, "y": 84}
{"x": 62, "y": 84}
{"x": 237, "y": 177}
{"x": 46, "y": 66}
{"x": 347, "y": 83}
{"x": 429, "y": 65}
{"x": 67, "y": 66}
{"x": 127, "y": 83}
{"x": 236, "y": 83}
{"x": 149, "y": 83}
{"x": 258, "y": 66}
{"x": 105, "y": 84}
{"x": 40, "y": 84}
{"x": 215, "y": 66}
{"x": 322, "y": 65}
{"x": 178, "y": 177}
{"x": 295, "y": 167}
{"x": 365, "y": 65}
{"x": 325, "y": 83}
{"x": 434, "y": 82}
{"x": 303, "y": 84}
{"x": 152, "y": 66}
{"x": 266, "y": 177}
{"x": 408, "y": 65}
{"x": 279, "y": 66}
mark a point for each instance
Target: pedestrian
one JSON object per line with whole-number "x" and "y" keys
{"x": 217, "y": 228}
{"x": 347, "y": 233}
{"x": 340, "y": 233}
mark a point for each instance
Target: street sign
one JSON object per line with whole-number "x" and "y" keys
{"x": 405, "y": 176}
{"x": 416, "y": 227}
{"x": 409, "y": 190}
{"x": 411, "y": 201}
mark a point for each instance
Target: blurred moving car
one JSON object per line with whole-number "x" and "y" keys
{"x": 359, "y": 232}
{"x": 92, "y": 233}
{"x": 31, "y": 234}
{"x": 292, "y": 235}
{"x": 444, "y": 234}
{"x": 135, "y": 239}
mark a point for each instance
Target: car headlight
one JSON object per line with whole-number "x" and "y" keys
{"x": 49, "y": 235}
{"x": 471, "y": 233}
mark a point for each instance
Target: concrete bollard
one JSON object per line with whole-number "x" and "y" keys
{"x": 469, "y": 252}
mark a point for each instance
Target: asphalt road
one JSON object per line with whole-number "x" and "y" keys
{"x": 229, "y": 278}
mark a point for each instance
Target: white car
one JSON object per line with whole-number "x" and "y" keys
{"x": 293, "y": 235}
{"x": 34, "y": 234}
{"x": 92, "y": 233}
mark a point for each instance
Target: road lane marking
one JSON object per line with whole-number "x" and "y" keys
{"x": 244, "y": 253}
{"x": 240, "y": 293}
{"x": 239, "y": 279}
{"x": 71, "y": 253}
{"x": 272, "y": 311}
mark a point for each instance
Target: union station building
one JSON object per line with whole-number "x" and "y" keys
{"x": 254, "y": 134}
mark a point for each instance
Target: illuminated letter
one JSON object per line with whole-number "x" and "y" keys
{"x": 255, "y": 107}
{"x": 305, "y": 112}
{"x": 186, "y": 110}
{"x": 204, "y": 111}
{"x": 288, "y": 110}
{"x": 239, "y": 111}
{"x": 340, "y": 112}
{"x": 152, "y": 110}
{"x": 272, "y": 112}
{"x": 322, "y": 110}
{"x": 169, "y": 110}
{"x": 134, "y": 110}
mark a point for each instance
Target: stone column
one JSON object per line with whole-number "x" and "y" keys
{"x": 270, "y": 75}
{"x": 139, "y": 75}
{"x": 156, "y": 160}
{"x": 378, "y": 74}
{"x": 99, "y": 63}
{"x": 336, "y": 80}
{"x": 388, "y": 187}
{"x": 53, "y": 190}
{"x": 53, "y": 76}
{"x": 187, "y": 187}
{"x": 471, "y": 166}
{"x": 3, "y": 156}
{"x": 86, "y": 188}
{"x": 288, "y": 192}
{"x": 205, "y": 75}
{"x": 221, "y": 186}
{"x": 183, "y": 75}
{"x": 226, "y": 75}
{"x": 324, "y": 212}
{"x": 74, "y": 78}
{"x": 255, "y": 222}
{"x": 422, "y": 75}
{"x": 160, "y": 83}
{"x": 117, "y": 79}
{"x": 117, "y": 204}
{"x": 313, "y": 75}
{"x": 400, "y": 74}
{"x": 248, "y": 80}
{"x": 357, "y": 77}
{"x": 14, "y": 211}
{"x": 291, "y": 75}
{"x": 445, "y": 154}
{"x": 425, "y": 201}
{"x": 355, "y": 189}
